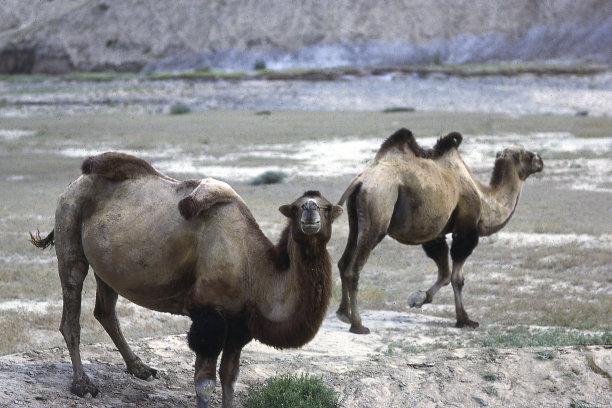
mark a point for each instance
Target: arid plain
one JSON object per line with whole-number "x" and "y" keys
{"x": 539, "y": 288}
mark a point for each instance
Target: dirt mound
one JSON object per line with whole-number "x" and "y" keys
{"x": 367, "y": 371}
{"x": 65, "y": 35}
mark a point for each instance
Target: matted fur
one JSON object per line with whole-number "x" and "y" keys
{"x": 117, "y": 166}
{"x": 315, "y": 278}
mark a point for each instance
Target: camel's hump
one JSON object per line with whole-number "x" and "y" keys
{"x": 208, "y": 193}
{"x": 445, "y": 143}
{"x": 404, "y": 139}
{"x": 401, "y": 140}
{"x": 117, "y": 166}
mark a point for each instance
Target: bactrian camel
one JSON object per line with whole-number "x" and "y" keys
{"x": 189, "y": 248}
{"x": 417, "y": 197}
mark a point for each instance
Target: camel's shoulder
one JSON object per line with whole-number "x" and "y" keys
{"x": 403, "y": 141}
{"x": 117, "y": 166}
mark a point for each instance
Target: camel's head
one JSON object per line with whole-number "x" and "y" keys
{"x": 525, "y": 161}
{"x": 311, "y": 214}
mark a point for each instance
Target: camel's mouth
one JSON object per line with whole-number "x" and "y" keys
{"x": 311, "y": 227}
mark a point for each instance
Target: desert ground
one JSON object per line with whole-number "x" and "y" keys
{"x": 541, "y": 288}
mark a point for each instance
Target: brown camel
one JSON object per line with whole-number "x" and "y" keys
{"x": 417, "y": 196}
{"x": 190, "y": 248}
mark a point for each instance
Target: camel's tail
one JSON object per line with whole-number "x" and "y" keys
{"x": 355, "y": 185}
{"x": 40, "y": 242}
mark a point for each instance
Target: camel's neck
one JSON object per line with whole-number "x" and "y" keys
{"x": 290, "y": 298}
{"x": 500, "y": 199}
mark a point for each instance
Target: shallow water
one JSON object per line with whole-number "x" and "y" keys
{"x": 526, "y": 94}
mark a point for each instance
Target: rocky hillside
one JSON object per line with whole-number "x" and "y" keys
{"x": 94, "y": 35}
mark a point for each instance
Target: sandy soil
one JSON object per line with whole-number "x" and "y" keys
{"x": 365, "y": 370}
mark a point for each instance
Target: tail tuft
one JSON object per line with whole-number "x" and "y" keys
{"x": 40, "y": 242}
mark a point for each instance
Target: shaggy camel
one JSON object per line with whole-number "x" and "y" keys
{"x": 190, "y": 248}
{"x": 417, "y": 196}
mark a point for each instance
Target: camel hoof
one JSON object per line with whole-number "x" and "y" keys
{"x": 343, "y": 316}
{"x": 359, "y": 329}
{"x": 84, "y": 388}
{"x": 417, "y": 299}
{"x": 143, "y": 371}
{"x": 467, "y": 324}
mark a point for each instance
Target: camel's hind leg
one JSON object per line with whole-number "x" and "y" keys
{"x": 72, "y": 274}
{"x": 104, "y": 312}
{"x": 436, "y": 249}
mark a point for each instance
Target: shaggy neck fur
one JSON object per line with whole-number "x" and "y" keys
{"x": 500, "y": 198}
{"x": 309, "y": 265}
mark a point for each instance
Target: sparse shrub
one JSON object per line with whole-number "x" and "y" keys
{"x": 259, "y": 65}
{"x": 398, "y": 109}
{"x": 179, "y": 108}
{"x": 436, "y": 59}
{"x": 269, "y": 177}
{"x": 289, "y": 390}
{"x": 490, "y": 377}
{"x": 546, "y": 354}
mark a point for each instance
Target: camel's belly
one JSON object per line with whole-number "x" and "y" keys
{"x": 416, "y": 220}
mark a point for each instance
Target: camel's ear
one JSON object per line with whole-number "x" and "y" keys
{"x": 336, "y": 211}
{"x": 499, "y": 154}
{"x": 286, "y": 210}
{"x": 207, "y": 194}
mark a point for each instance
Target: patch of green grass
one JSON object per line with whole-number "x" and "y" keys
{"x": 268, "y": 177}
{"x": 524, "y": 337}
{"x": 304, "y": 391}
{"x": 581, "y": 404}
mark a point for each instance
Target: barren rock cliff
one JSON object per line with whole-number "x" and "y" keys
{"x": 56, "y": 36}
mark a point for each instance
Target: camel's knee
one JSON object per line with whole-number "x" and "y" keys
{"x": 458, "y": 282}
{"x": 207, "y": 333}
{"x": 464, "y": 243}
{"x": 353, "y": 283}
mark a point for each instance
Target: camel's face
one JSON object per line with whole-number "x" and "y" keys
{"x": 526, "y": 162}
{"x": 312, "y": 214}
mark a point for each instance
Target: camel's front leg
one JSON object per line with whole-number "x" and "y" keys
{"x": 238, "y": 336}
{"x": 206, "y": 337}
{"x": 437, "y": 250}
{"x": 464, "y": 243}
{"x": 204, "y": 379}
